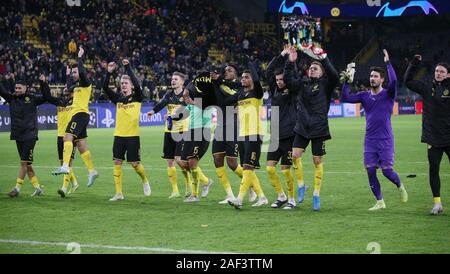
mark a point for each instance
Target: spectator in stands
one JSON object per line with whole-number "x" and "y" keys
{"x": 72, "y": 47}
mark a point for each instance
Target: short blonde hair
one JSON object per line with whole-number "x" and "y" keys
{"x": 181, "y": 75}
{"x": 126, "y": 77}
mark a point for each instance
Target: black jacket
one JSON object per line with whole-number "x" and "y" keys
{"x": 223, "y": 90}
{"x": 436, "y": 107}
{"x": 169, "y": 98}
{"x": 284, "y": 99}
{"x": 23, "y": 109}
{"x": 313, "y": 101}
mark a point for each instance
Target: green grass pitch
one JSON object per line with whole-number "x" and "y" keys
{"x": 344, "y": 224}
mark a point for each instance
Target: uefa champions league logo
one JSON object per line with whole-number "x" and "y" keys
{"x": 297, "y": 4}
{"x": 426, "y": 6}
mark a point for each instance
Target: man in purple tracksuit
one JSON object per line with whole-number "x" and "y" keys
{"x": 379, "y": 140}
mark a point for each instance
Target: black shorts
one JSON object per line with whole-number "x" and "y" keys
{"x": 318, "y": 144}
{"x": 283, "y": 151}
{"x": 25, "y": 149}
{"x": 129, "y": 145}
{"x": 230, "y": 148}
{"x": 172, "y": 148}
{"x": 78, "y": 125}
{"x": 196, "y": 146}
{"x": 225, "y": 142}
{"x": 60, "y": 144}
{"x": 250, "y": 152}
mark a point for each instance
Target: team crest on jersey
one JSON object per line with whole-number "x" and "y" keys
{"x": 446, "y": 92}
{"x": 27, "y": 99}
{"x": 285, "y": 92}
{"x": 315, "y": 88}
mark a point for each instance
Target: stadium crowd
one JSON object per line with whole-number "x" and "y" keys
{"x": 171, "y": 35}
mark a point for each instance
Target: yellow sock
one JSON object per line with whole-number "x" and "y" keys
{"x": 245, "y": 183}
{"x": 72, "y": 176}
{"x": 66, "y": 181}
{"x": 196, "y": 181}
{"x": 87, "y": 160}
{"x": 274, "y": 179}
{"x": 67, "y": 152}
{"x": 35, "y": 182}
{"x": 437, "y": 200}
{"x": 141, "y": 172}
{"x": 239, "y": 171}
{"x": 257, "y": 185}
{"x": 290, "y": 182}
{"x": 202, "y": 177}
{"x": 298, "y": 169}
{"x": 187, "y": 179}
{"x": 223, "y": 179}
{"x": 172, "y": 173}
{"x": 318, "y": 176}
{"x": 19, "y": 183}
{"x": 118, "y": 178}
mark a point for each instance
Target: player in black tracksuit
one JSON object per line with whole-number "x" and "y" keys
{"x": 313, "y": 101}
{"x": 283, "y": 120}
{"x": 24, "y": 130}
{"x": 173, "y": 134}
{"x": 435, "y": 120}
{"x": 225, "y": 142}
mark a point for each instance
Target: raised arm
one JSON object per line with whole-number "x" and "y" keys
{"x": 39, "y": 97}
{"x": 113, "y": 96}
{"x": 414, "y": 85}
{"x": 290, "y": 78}
{"x": 392, "y": 86}
{"x": 137, "y": 86}
{"x": 349, "y": 98}
{"x": 69, "y": 81}
{"x": 84, "y": 81}
{"x": 277, "y": 62}
{"x": 45, "y": 90}
{"x": 4, "y": 93}
{"x": 257, "y": 88}
{"x": 331, "y": 72}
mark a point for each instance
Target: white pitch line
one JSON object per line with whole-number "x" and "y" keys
{"x": 210, "y": 170}
{"x": 133, "y": 248}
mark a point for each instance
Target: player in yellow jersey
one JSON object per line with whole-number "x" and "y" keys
{"x": 126, "y": 134}
{"x": 76, "y": 128}
{"x": 173, "y": 134}
{"x": 64, "y": 107}
{"x": 249, "y": 100}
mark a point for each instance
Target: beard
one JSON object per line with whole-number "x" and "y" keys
{"x": 373, "y": 85}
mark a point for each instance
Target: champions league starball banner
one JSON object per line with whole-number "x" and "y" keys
{"x": 363, "y": 8}
{"x": 102, "y": 115}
